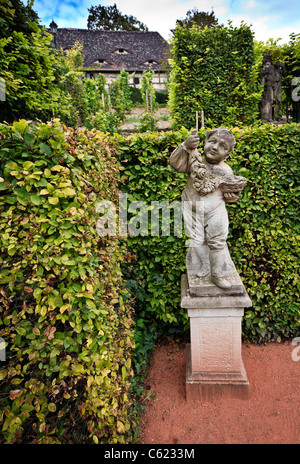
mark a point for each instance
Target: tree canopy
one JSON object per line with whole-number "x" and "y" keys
{"x": 200, "y": 18}
{"x": 17, "y": 17}
{"x": 110, "y": 18}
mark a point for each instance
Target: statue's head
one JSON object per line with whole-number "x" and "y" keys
{"x": 267, "y": 60}
{"x": 218, "y": 145}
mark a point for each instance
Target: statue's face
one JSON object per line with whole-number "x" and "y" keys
{"x": 216, "y": 149}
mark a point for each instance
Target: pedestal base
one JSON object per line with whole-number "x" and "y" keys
{"x": 214, "y": 365}
{"x": 207, "y": 386}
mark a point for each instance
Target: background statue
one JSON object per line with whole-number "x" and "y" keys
{"x": 271, "y": 76}
{"x": 210, "y": 183}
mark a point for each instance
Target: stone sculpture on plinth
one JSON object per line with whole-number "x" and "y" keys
{"x": 212, "y": 290}
{"x": 271, "y": 76}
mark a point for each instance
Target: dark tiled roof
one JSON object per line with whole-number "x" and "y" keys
{"x": 140, "y": 48}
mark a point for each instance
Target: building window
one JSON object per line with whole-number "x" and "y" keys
{"x": 136, "y": 81}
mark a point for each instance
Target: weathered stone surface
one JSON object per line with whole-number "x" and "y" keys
{"x": 209, "y": 386}
{"x": 214, "y": 361}
{"x": 210, "y": 183}
{"x": 213, "y": 301}
{"x": 199, "y": 276}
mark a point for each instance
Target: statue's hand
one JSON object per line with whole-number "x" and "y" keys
{"x": 231, "y": 196}
{"x": 193, "y": 140}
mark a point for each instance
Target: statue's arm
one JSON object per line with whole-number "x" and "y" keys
{"x": 231, "y": 196}
{"x": 179, "y": 159}
{"x": 262, "y": 78}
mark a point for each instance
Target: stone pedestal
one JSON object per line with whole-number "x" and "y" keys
{"x": 214, "y": 364}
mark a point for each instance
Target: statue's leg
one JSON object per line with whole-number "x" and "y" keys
{"x": 270, "y": 104}
{"x": 264, "y": 105}
{"x": 277, "y": 101}
{"x": 267, "y": 104}
{"x": 193, "y": 213}
{"x": 216, "y": 234}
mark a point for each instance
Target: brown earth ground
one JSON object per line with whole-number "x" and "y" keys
{"x": 271, "y": 414}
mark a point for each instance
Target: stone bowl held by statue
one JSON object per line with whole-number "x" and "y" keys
{"x": 233, "y": 184}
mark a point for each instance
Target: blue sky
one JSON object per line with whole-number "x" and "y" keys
{"x": 269, "y": 18}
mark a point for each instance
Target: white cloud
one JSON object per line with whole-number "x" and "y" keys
{"x": 264, "y": 27}
{"x": 269, "y": 19}
{"x": 161, "y": 15}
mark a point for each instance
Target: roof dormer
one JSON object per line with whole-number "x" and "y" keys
{"x": 148, "y": 62}
{"x": 121, "y": 51}
{"x": 99, "y": 61}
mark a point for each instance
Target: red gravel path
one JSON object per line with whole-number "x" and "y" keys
{"x": 270, "y": 415}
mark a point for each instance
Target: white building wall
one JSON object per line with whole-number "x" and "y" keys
{"x": 159, "y": 79}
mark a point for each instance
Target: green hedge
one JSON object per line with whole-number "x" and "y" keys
{"x": 264, "y": 225}
{"x": 63, "y": 314}
{"x": 213, "y": 70}
{"x": 64, "y": 311}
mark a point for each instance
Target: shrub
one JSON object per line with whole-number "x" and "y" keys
{"x": 104, "y": 121}
{"x": 120, "y": 95}
{"x": 162, "y": 97}
{"x": 148, "y": 92}
{"x": 213, "y": 70}
{"x": 136, "y": 96}
{"x": 64, "y": 315}
{"x": 147, "y": 122}
{"x": 263, "y": 227}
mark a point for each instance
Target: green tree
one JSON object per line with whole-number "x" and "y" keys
{"x": 31, "y": 71}
{"x": 110, "y": 18}
{"x": 120, "y": 94}
{"x": 200, "y": 18}
{"x": 17, "y": 17}
{"x": 72, "y": 85}
{"x": 147, "y": 90}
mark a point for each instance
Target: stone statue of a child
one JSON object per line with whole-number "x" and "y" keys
{"x": 210, "y": 183}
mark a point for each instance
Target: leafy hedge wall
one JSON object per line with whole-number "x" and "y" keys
{"x": 213, "y": 70}
{"x": 264, "y": 227}
{"x": 67, "y": 329}
{"x": 65, "y": 315}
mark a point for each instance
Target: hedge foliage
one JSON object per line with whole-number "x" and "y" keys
{"x": 213, "y": 70}
{"x": 64, "y": 315}
{"x": 264, "y": 227}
